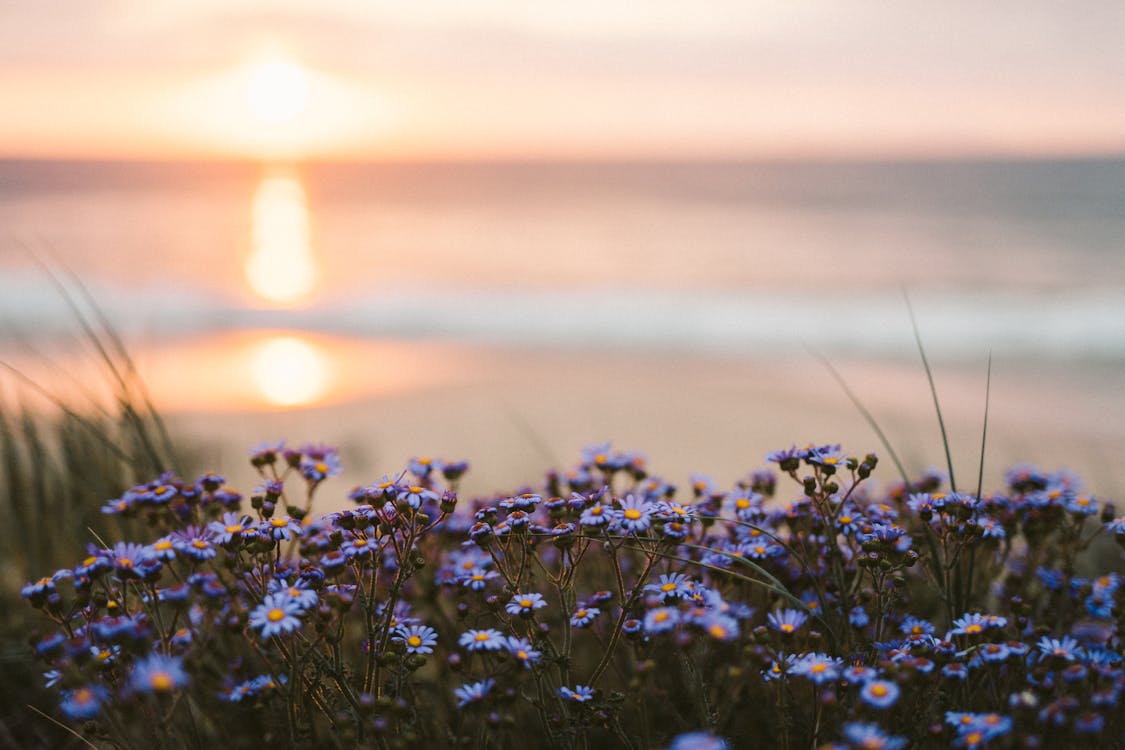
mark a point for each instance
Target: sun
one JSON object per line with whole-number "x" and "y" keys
{"x": 277, "y": 90}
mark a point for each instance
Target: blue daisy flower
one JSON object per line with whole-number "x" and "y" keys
{"x": 879, "y": 693}
{"x": 482, "y": 640}
{"x": 473, "y": 692}
{"x": 525, "y": 604}
{"x": 158, "y": 673}
{"x": 580, "y": 693}
{"x": 278, "y": 613}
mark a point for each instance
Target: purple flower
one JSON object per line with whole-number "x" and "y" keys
{"x": 671, "y": 586}
{"x": 482, "y": 640}
{"x": 300, "y": 592}
{"x": 84, "y": 703}
{"x": 525, "y": 604}
{"x": 157, "y": 673}
{"x": 415, "y": 495}
{"x": 522, "y": 649}
{"x": 595, "y": 516}
{"x": 879, "y": 693}
{"x": 583, "y": 616}
{"x": 871, "y": 737}
{"x": 319, "y": 464}
{"x": 418, "y": 639}
{"x": 194, "y": 543}
{"x": 580, "y": 693}
{"x": 1065, "y": 648}
{"x": 473, "y": 692}
{"x": 230, "y": 528}
{"x": 635, "y": 514}
{"x": 278, "y": 613}
{"x": 661, "y": 619}
{"x": 280, "y": 528}
{"x": 820, "y": 668}
{"x": 698, "y": 741}
{"x": 787, "y": 621}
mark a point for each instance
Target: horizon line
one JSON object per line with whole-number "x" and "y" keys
{"x": 982, "y": 157}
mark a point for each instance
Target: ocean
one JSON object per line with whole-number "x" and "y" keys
{"x": 267, "y": 289}
{"x": 1026, "y": 258}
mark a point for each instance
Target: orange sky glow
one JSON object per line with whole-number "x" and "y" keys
{"x": 295, "y": 79}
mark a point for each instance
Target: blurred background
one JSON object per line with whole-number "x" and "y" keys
{"x": 501, "y": 232}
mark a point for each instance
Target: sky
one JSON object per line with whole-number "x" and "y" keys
{"x": 582, "y": 79}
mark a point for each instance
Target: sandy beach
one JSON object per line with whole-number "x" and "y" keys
{"x": 515, "y": 412}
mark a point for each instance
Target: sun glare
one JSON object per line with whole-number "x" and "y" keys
{"x": 277, "y": 91}
{"x": 290, "y": 372}
{"x": 281, "y": 268}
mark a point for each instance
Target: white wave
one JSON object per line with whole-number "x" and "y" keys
{"x": 1084, "y": 325}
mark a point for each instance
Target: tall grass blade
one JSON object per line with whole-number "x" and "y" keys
{"x": 135, "y": 380}
{"x": 984, "y": 430}
{"x": 933, "y": 391}
{"x": 129, "y": 412}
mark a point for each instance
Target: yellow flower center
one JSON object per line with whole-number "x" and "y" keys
{"x": 661, "y": 616}
{"x": 879, "y": 691}
{"x": 414, "y": 641}
{"x": 276, "y": 614}
{"x": 234, "y": 528}
{"x": 525, "y": 603}
{"x": 818, "y": 668}
{"x": 668, "y": 587}
{"x": 845, "y": 520}
{"x": 787, "y": 627}
{"x": 83, "y": 695}
{"x": 973, "y": 629}
{"x": 160, "y": 681}
{"x": 125, "y": 562}
{"x": 321, "y": 467}
{"x": 162, "y": 545}
{"x": 522, "y": 655}
{"x": 279, "y": 522}
{"x": 481, "y": 637}
{"x": 199, "y": 544}
{"x": 718, "y": 631}
{"x": 742, "y": 503}
{"x": 633, "y": 514}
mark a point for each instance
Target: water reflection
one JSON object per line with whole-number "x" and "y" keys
{"x": 281, "y": 267}
{"x": 289, "y": 371}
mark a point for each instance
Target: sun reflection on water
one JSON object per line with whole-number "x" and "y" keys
{"x": 281, "y": 267}
{"x": 290, "y": 372}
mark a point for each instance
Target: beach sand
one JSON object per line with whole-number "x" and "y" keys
{"x": 513, "y": 413}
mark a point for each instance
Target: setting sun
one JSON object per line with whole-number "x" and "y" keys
{"x": 277, "y": 91}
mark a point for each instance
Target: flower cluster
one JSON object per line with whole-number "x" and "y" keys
{"x": 603, "y": 606}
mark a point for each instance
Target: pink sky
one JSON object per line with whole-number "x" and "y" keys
{"x": 585, "y": 79}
